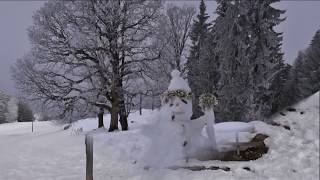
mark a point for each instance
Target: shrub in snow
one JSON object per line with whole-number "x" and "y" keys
{"x": 3, "y": 107}
{"x": 8, "y": 108}
{"x": 12, "y": 113}
{"x": 42, "y": 117}
{"x": 24, "y": 112}
{"x": 76, "y": 131}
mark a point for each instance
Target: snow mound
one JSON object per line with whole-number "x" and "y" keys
{"x": 234, "y": 127}
{"x": 302, "y": 118}
{"x": 295, "y": 150}
{"x": 226, "y": 132}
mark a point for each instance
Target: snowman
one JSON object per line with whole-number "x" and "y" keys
{"x": 177, "y": 99}
{"x": 178, "y": 102}
{"x": 174, "y": 135}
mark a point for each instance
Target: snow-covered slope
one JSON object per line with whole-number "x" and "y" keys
{"x": 51, "y": 153}
{"x": 294, "y": 153}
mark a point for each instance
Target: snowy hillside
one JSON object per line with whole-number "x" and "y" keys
{"x": 52, "y": 153}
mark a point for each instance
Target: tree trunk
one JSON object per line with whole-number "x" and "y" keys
{"x": 122, "y": 109}
{"x": 114, "y": 103}
{"x": 32, "y": 126}
{"x": 114, "y": 118}
{"x": 114, "y": 111}
{"x": 140, "y": 104}
{"x": 100, "y": 118}
{"x": 124, "y": 123}
{"x": 123, "y": 117}
{"x": 152, "y": 105}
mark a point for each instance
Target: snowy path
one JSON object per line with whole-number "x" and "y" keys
{"x": 48, "y": 153}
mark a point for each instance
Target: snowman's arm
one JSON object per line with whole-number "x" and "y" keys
{"x": 210, "y": 119}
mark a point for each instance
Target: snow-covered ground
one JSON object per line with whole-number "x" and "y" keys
{"x": 53, "y": 153}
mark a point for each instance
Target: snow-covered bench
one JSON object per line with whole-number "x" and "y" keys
{"x": 230, "y": 135}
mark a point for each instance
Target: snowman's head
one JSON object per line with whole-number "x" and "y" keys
{"x": 180, "y": 105}
{"x": 178, "y": 96}
{"x": 178, "y": 102}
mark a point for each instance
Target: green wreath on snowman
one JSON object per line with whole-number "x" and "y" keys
{"x": 179, "y": 88}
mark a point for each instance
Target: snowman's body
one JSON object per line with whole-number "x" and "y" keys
{"x": 193, "y": 143}
{"x": 189, "y": 130}
{"x": 181, "y": 111}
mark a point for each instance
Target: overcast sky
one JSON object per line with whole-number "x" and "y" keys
{"x": 16, "y": 16}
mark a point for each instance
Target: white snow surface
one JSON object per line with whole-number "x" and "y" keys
{"x": 53, "y": 153}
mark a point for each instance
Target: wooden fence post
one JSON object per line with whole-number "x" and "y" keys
{"x": 89, "y": 156}
{"x": 140, "y": 104}
{"x": 152, "y": 106}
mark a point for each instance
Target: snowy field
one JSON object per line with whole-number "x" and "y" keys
{"x": 53, "y": 153}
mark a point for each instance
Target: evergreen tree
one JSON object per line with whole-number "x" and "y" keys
{"x": 309, "y": 72}
{"x": 280, "y": 90}
{"x": 291, "y": 91}
{"x": 250, "y": 57}
{"x": 304, "y": 76}
{"x": 268, "y": 62}
{"x": 196, "y": 60}
{"x": 3, "y": 107}
{"x": 25, "y": 114}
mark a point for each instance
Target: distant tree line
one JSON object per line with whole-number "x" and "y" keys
{"x": 303, "y": 79}
{"x": 13, "y": 110}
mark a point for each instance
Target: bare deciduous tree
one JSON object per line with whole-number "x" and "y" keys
{"x": 177, "y": 26}
{"x": 87, "y": 52}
